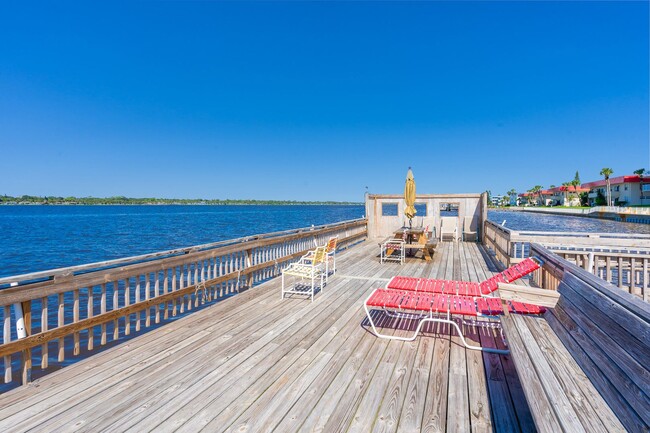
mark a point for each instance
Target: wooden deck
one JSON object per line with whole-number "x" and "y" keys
{"x": 256, "y": 363}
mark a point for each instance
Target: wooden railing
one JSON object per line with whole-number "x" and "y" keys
{"x": 621, "y": 259}
{"x": 628, "y": 271}
{"x": 89, "y": 306}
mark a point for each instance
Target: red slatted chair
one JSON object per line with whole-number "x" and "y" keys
{"x": 426, "y": 306}
{"x": 466, "y": 288}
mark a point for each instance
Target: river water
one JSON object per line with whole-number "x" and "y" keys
{"x": 561, "y": 223}
{"x": 37, "y": 238}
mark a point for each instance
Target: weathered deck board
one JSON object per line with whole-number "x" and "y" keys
{"x": 255, "y": 362}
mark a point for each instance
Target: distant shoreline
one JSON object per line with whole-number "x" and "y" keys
{"x": 112, "y": 201}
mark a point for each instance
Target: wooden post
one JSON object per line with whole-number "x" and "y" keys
{"x": 26, "y": 362}
{"x": 249, "y": 263}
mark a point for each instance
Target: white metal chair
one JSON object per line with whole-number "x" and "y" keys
{"x": 330, "y": 256}
{"x": 310, "y": 267}
{"x": 449, "y": 227}
{"x": 394, "y": 250}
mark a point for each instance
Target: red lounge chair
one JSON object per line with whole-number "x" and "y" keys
{"x": 439, "y": 307}
{"x": 466, "y": 288}
{"x": 429, "y": 300}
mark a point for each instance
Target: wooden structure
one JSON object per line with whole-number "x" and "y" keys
{"x": 252, "y": 362}
{"x": 93, "y": 305}
{"x": 621, "y": 259}
{"x": 381, "y": 223}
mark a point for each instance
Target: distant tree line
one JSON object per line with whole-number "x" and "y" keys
{"x": 47, "y": 200}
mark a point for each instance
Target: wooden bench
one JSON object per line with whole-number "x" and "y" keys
{"x": 427, "y": 248}
{"x": 584, "y": 365}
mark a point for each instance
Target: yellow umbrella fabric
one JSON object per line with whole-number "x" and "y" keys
{"x": 409, "y": 195}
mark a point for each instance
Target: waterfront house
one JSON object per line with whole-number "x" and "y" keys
{"x": 543, "y": 198}
{"x": 565, "y": 195}
{"x": 632, "y": 190}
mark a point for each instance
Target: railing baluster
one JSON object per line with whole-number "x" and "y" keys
{"x": 173, "y": 290}
{"x": 61, "y": 322}
{"x": 116, "y": 305}
{"x": 75, "y": 319}
{"x": 89, "y": 313}
{"x": 102, "y": 310}
{"x": 6, "y": 338}
{"x": 137, "y": 301}
{"x": 620, "y": 272}
{"x": 165, "y": 291}
{"x": 127, "y": 302}
{"x": 44, "y": 327}
{"x": 147, "y": 296}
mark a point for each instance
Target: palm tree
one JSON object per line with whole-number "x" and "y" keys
{"x": 607, "y": 172}
{"x": 640, "y": 172}
{"x": 566, "y": 186}
{"x": 513, "y": 193}
{"x": 537, "y": 190}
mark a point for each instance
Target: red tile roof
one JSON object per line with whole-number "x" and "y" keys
{"x": 616, "y": 181}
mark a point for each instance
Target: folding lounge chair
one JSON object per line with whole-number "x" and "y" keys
{"x": 466, "y": 288}
{"x": 435, "y": 307}
{"x": 428, "y": 300}
{"x": 311, "y": 267}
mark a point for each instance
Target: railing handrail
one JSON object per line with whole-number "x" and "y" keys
{"x": 143, "y": 258}
{"x": 596, "y": 249}
{"x": 568, "y": 234}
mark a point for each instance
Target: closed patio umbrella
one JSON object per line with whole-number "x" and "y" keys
{"x": 409, "y": 196}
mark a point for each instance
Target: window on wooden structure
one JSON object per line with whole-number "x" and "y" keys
{"x": 448, "y": 209}
{"x": 389, "y": 209}
{"x": 420, "y": 209}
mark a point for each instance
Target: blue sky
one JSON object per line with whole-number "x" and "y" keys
{"x": 317, "y": 100}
